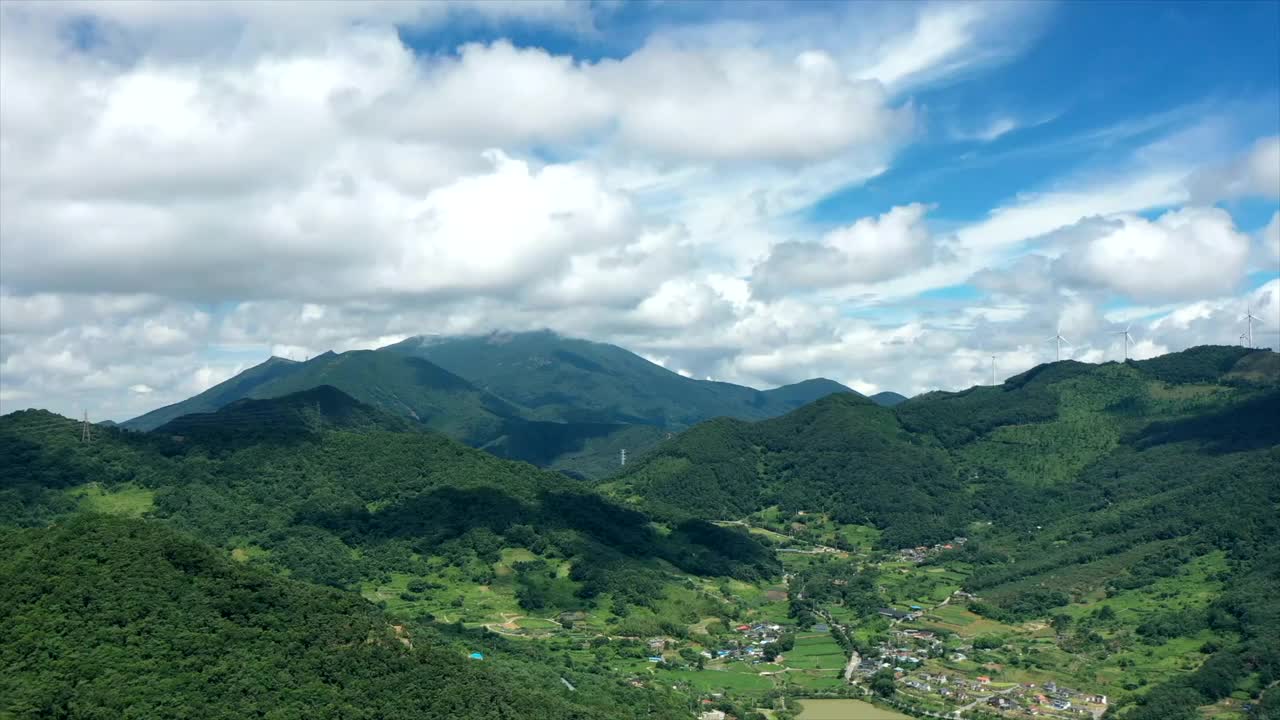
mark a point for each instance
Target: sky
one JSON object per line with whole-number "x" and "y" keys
{"x": 886, "y": 195}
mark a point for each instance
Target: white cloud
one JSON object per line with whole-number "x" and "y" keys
{"x": 746, "y": 104}
{"x": 1270, "y": 240}
{"x": 1255, "y": 173}
{"x": 1183, "y": 253}
{"x": 869, "y": 250}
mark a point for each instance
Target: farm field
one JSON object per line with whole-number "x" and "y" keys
{"x": 846, "y": 710}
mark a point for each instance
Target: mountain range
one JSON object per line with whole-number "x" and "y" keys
{"x": 540, "y": 397}
{"x": 1109, "y": 525}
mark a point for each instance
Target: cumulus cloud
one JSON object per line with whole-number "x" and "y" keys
{"x": 1255, "y": 173}
{"x": 747, "y": 104}
{"x": 1269, "y": 238}
{"x": 1181, "y": 254}
{"x": 868, "y": 250}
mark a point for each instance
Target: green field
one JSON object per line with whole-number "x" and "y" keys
{"x": 818, "y": 651}
{"x": 128, "y": 500}
{"x": 846, "y": 710}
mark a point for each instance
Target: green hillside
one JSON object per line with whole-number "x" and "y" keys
{"x": 342, "y": 508}
{"x": 240, "y": 386}
{"x": 113, "y": 618}
{"x": 570, "y": 380}
{"x": 1136, "y": 502}
{"x": 405, "y": 386}
{"x": 285, "y": 418}
{"x": 888, "y": 398}
{"x": 843, "y": 455}
{"x": 589, "y": 401}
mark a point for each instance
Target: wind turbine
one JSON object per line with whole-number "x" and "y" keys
{"x": 1058, "y": 340}
{"x": 1249, "y": 317}
{"x": 1127, "y": 338}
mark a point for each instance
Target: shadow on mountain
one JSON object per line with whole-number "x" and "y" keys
{"x": 541, "y": 443}
{"x": 1250, "y": 425}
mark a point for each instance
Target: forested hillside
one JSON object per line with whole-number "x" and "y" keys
{"x": 842, "y": 455}
{"x": 342, "y": 507}
{"x": 112, "y": 618}
{"x": 1073, "y": 483}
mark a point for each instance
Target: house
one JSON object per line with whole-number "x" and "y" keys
{"x": 1098, "y": 699}
{"x": 476, "y": 656}
{"x": 655, "y": 658}
{"x": 712, "y": 715}
{"x": 894, "y": 614}
{"x": 984, "y": 680}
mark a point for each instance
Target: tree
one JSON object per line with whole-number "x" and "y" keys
{"x": 883, "y": 683}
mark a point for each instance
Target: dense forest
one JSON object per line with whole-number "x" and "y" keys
{"x": 112, "y": 618}
{"x": 337, "y": 506}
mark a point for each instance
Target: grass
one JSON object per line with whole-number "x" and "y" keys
{"x": 710, "y": 680}
{"x": 818, "y": 651}
{"x": 127, "y": 500}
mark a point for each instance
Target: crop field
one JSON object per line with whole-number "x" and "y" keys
{"x": 818, "y": 651}
{"x": 846, "y": 710}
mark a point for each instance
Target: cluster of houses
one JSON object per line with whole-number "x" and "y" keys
{"x": 1053, "y": 697}
{"x": 923, "y": 552}
{"x": 749, "y": 648}
{"x": 1050, "y": 701}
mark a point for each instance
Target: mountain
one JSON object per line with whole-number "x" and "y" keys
{"x": 888, "y": 398}
{"x": 240, "y": 386}
{"x": 289, "y": 416}
{"x": 402, "y": 385}
{"x": 107, "y": 617}
{"x": 569, "y": 380}
{"x": 565, "y": 404}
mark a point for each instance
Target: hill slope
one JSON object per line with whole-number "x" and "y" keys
{"x": 110, "y": 618}
{"x": 571, "y": 380}
{"x": 888, "y": 398}
{"x": 301, "y": 413}
{"x": 401, "y": 385}
{"x": 843, "y": 455}
{"x": 343, "y": 508}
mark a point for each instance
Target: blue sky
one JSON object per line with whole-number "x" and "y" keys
{"x": 880, "y": 193}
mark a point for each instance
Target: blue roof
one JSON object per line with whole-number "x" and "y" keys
{"x": 476, "y": 656}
